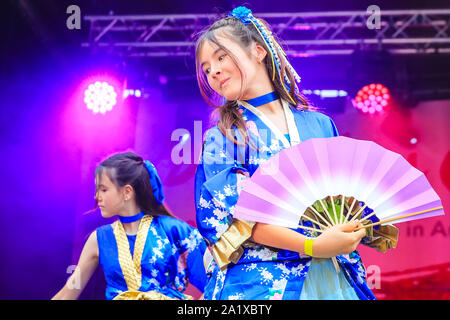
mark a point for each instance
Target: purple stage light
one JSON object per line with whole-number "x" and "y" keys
{"x": 100, "y": 97}
{"x": 163, "y": 79}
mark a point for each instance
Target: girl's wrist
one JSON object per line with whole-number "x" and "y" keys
{"x": 316, "y": 247}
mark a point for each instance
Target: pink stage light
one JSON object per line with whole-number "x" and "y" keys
{"x": 372, "y": 98}
{"x": 302, "y": 27}
{"x": 100, "y": 97}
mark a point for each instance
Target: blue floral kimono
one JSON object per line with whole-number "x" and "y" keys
{"x": 239, "y": 268}
{"x": 172, "y": 256}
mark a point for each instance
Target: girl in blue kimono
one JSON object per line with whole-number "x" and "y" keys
{"x": 147, "y": 253}
{"x": 240, "y": 63}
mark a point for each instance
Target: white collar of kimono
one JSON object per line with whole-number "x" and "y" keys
{"x": 292, "y": 127}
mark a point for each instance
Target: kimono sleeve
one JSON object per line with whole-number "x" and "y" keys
{"x": 189, "y": 248}
{"x": 328, "y": 126}
{"x": 221, "y": 166}
{"x": 333, "y": 130}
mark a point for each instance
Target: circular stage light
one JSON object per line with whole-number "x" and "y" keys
{"x": 372, "y": 98}
{"x": 100, "y": 97}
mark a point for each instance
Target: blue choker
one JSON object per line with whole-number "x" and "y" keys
{"x": 259, "y": 101}
{"x": 132, "y": 218}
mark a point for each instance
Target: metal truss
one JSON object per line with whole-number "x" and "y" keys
{"x": 305, "y": 34}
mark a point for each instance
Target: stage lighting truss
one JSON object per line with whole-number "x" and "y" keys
{"x": 307, "y": 34}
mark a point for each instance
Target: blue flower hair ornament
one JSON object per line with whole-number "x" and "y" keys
{"x": 155, "y": 182}
{"x": 242, "y": 13}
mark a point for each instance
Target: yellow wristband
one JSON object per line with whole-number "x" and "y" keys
{"x": 309, "y": 246}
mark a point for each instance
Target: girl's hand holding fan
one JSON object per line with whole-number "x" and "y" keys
{"x": 337, "y": 240}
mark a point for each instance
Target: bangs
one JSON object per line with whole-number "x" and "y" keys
{"x": 109, "y": 172}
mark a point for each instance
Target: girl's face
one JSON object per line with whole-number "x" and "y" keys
{"x": 109, "y": 197}
{"x": 223, "y": 74}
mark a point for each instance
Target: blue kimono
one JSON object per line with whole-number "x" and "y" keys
{"x": 239, "y": 268}
{"x": 172, "y": 256}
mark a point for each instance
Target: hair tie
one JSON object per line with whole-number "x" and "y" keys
{"x": 155, "y": 182}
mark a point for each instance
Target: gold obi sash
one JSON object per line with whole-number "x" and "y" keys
{"x": 149, "y": 295}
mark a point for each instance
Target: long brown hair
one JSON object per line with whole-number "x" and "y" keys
{"x": 244, "y": 35}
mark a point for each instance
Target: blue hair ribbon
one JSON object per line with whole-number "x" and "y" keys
{"x": 155, "y": 182}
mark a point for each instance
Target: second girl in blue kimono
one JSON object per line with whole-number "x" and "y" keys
{"x": 147, "y": 253}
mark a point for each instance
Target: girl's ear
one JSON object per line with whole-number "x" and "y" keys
{"x": 259, "y": 52}
{"x": 128, "y": 192}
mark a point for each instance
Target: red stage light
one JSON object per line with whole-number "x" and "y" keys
{"x": 372, "y": 98}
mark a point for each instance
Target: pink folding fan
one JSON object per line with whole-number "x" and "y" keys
{"x": 298, "y": 180}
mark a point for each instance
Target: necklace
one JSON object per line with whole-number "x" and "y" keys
{"x": 130, "y": 219}
{"x": 259, "y": 101}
